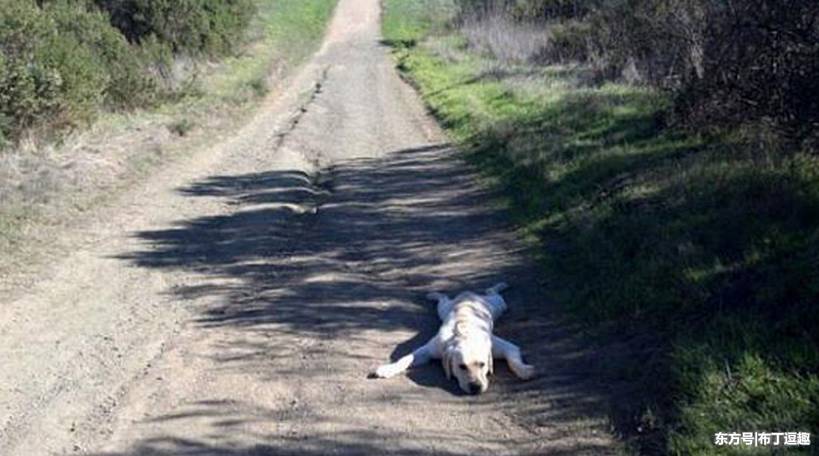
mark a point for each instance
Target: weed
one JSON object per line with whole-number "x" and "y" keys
{"x": 181, "y": 127}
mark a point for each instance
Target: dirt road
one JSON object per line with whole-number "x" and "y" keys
{"x": 235, "y": 302}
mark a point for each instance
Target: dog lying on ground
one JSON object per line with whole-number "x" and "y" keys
{"x": 465, "y": 343}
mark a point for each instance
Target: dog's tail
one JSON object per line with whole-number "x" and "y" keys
{"x": 497, "y": 288}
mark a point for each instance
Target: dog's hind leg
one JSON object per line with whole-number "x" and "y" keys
{"x": 495, "y": 300}
{"x": 497, "y": 288}
{"x": 502, "y": 348}
{"x": 420, "y": 356}
{"x": 444, "y": 304}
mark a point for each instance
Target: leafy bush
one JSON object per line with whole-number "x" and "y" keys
{"x": 192, "y": 26}
{"x": 45, "y": 76}
{"x": 122, "y": 66}
{"x": 61, "y": 61}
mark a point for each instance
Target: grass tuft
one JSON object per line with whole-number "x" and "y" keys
{"x": 181, "y": 127}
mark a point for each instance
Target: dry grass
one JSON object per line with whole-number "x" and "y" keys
{"x": 504, "y": 39}
{"x": 43, "y": 186}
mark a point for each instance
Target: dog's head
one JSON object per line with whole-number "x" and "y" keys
{"x": 470, "y": 363}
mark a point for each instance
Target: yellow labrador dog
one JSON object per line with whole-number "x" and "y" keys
{"x": 465, "y": 344}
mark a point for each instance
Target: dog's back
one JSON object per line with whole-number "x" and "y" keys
{"x": 492, "y": 301}
{"x": 476, "y": 311}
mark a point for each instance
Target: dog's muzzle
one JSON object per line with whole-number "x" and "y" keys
{"x": 475, "y": 388}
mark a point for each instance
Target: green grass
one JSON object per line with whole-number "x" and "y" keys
{"x": 707, "y": 246}
{"x": 284, "y": 32}
{"x": 408, "y": 22}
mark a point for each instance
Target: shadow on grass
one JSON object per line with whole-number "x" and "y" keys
{"x": 705, "y": 253}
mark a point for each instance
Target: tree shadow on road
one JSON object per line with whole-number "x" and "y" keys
{"x": 348, "y": 255}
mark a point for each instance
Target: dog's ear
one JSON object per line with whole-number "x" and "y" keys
{"x": 446, "y": 360}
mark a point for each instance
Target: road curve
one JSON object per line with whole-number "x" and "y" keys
{"x": 234, "y": 303}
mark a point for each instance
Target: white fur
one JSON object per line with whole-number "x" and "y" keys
{"x": 465, "y": 343}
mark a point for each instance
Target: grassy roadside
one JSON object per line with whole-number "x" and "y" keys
{"x": 284, "y": 33}
{"x": 43, "y": 188}
{"x": 281, "y": 36}
{"x": 706, "y": 247}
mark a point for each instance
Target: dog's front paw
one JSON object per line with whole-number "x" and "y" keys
{"x": 525, "y": 371}
{"x": 385, "y": 371}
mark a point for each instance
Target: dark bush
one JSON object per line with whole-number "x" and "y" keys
{"x": 529, "y": 9}
{"x": 726, "y": 64}
{"x": 191, "y": 26}
{"x": 760, "y": 63}
{"x": 568, "y": 41}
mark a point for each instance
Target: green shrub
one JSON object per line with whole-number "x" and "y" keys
{"x": 61, "y": 61}
{"x": 46, "y": 77}
{"x": 127, "y": 83}
{"x": 191, "y": 26}
{"x": 181, "y": 127}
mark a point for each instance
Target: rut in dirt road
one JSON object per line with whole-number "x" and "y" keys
{"x": 299, "y": 260}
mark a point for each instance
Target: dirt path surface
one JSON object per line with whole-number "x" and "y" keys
{"x": 234, "y": 304}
